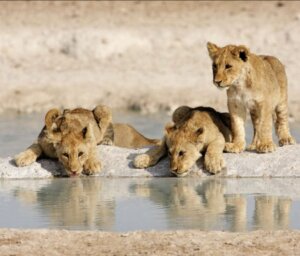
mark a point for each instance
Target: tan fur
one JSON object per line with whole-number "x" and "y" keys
{"x": 71, "y": 137}
{"x": 77, "y": 152}
{"x": 254, "y": 83}
{"x": 194, "y": 130}
{"x": 128, "y": 137}
{"x": 65, "y": 134}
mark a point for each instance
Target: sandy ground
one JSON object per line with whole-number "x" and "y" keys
{"x": 54, "y": 242}
{"x": 147, "y": 56}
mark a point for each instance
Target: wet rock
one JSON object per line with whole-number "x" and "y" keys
{"x": 117, "y": 162}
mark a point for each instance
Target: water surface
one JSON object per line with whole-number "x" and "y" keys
{"x": 94, "y": 203}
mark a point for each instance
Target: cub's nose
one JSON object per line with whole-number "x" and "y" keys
{"x": 218, "y": 82}
{"x": 174, "y": 170}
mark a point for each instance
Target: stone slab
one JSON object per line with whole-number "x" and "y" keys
{"x": 117, "y": 162}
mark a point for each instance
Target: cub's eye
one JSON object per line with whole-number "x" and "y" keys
{"x": 181, "y": 153}
{"x": 227, "y": 66}
{"x": 169, "y": 153}
{"x": 80, "y": 154}
{"x": 66, "y": 155}
{"x": 214, "y": 66}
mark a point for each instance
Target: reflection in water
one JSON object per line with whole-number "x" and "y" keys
{"x": 188, "y": 204}
{"x": 76, "y": 204}
{"x": 237, "y": 207}
{"x": 100, "y": 203}
{"x": 271, "y": 212}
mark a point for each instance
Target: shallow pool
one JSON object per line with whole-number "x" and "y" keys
{"x": 145, "y": 204}
{"x": 93, "y": 203}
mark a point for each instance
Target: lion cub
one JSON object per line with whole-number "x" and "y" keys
{"x": 256, "y": 83}
{"x": 71, "y": 136}
{"x": 194, "y": 130}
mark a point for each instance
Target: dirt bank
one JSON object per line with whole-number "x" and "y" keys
{"x": 147, "y": 56}
{"x": 54, "y": 242}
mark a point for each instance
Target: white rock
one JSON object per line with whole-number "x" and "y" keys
{"x": 117, "y": 162}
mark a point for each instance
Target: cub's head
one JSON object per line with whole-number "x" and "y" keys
{"x": 74, "y": 148}
{"x": 228, "y": 64}
{"x": 58, "y": 123}
{"x": 185, "y": 142}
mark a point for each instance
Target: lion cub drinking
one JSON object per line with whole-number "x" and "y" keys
{"x": 194, "y": 130}
{"x": 256, "y": 83}
{"x": 72, "y": 137}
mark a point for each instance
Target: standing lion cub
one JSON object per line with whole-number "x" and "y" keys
{"x": 195, "y": 130}
{"x": 256, "y": 83}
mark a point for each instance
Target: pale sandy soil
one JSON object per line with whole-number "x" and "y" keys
{"x": 148, "y": 56}
{"x": 54, "y": 242}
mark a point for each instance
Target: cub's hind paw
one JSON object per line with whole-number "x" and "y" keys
{"x": 287, "y": 141}
{"x": 25, "y": 158}
{"x": 251, "y": 147}
{"x": 266, "y": 147}
{"x": 234, "y": 147}
{"x": 107, "y": 141}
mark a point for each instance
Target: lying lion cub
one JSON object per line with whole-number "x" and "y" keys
{"x": 195, "y": 130}
{"x": 72, "y": 136}
{"x": 256, "y": 83}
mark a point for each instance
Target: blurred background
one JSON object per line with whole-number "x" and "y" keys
{"x": 143, "y": 56}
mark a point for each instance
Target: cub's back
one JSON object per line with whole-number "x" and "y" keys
{"x": 128, "y": 137}
{"x": 221, "y": 120}
{"x": 278, "y": 68}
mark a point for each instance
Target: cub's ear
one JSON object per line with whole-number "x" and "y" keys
{"x": 66, "y": 111}
{"x": 180, "y": 113}
{"x": 50, "y": 118}
{"x": 87, "y": 133}
{"x": 199, "y": 131}
{"x": 241, "y": 52}
{"x": 212, "y": 49}
{"x": 102, "y": 114}
{"x": 170, "y": 127}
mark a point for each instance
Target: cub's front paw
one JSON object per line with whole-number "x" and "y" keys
{"x": 214, "y": 163}
{"x": 92, "y": 166}
{"x": 289, "y": 140}
{"x": 141, "y": 161}
{"x": 234, "y": 147}
{"x": 265, "y": 147}
{"x": 25, "y": 158}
